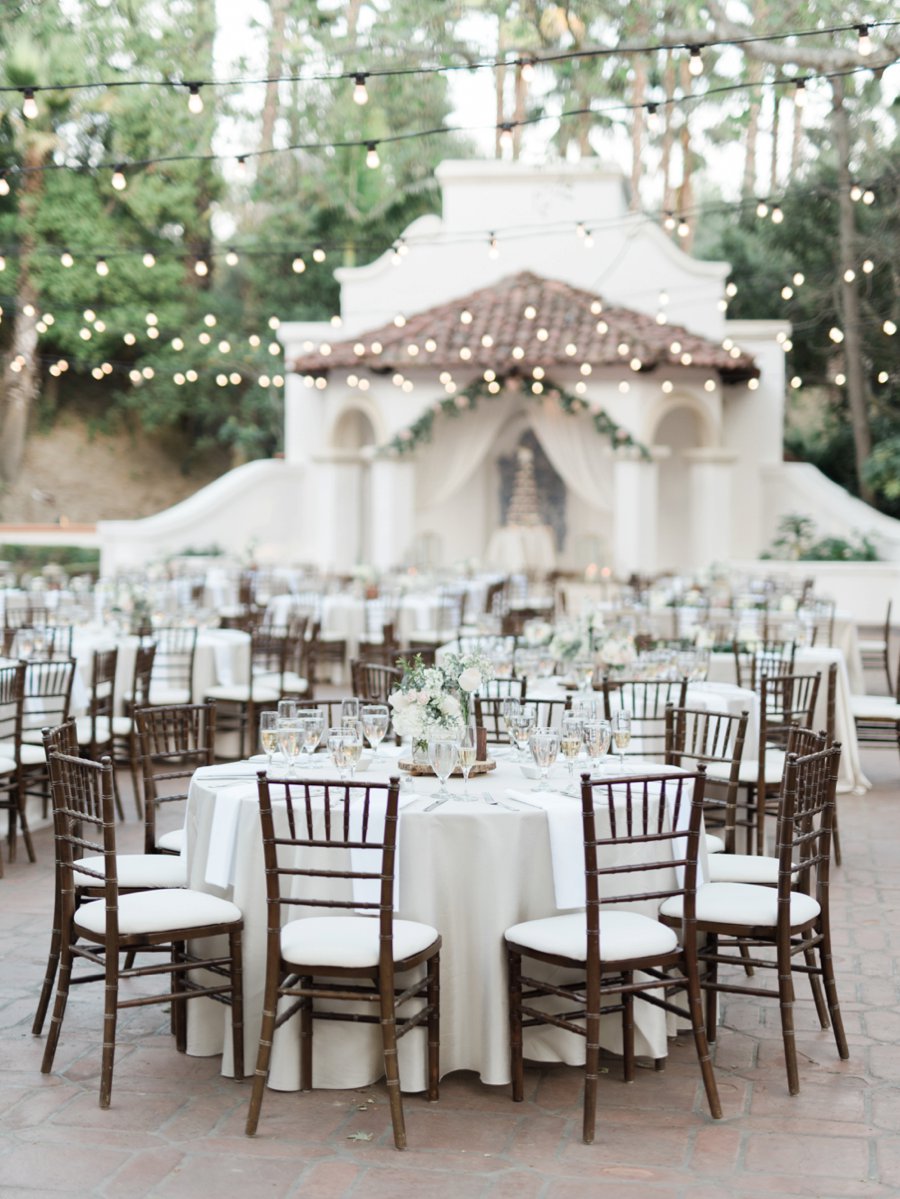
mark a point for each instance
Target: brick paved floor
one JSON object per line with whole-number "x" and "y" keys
{"x": 176, "y": 1127}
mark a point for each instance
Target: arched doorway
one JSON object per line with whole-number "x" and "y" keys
{"x": 353, "y": 439}
{"x": 680, "y": 429}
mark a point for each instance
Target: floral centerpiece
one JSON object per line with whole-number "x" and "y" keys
{"x": 567, "y": 644}
{"x": 433, "y": 699}
{"x": 614, "y": 649}
{"x": 536, "y": 634}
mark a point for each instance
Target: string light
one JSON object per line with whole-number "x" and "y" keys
{"x": 102, "y": 267}
{"x": 800, "y": 93}
{"x": 653, "y": 119}
{"x": 683, "y": 228}
{"x": 242, "y": 165}
{"x": 29, "y": 104}
{"x": 868, "y": 266}
{"x": 119, "y": 181}
{"x": 298, "y": 266}
{"x": 195, "y": 100}
{"x": 588, "y": 239}
{"x": 695, "y": 62}
{"x": 856, "y": 193}
{"x": 889, "y": 327}
{"x": 201, "y": 268}
{"x": 669, "y": 222}
{"x": 526, "y": 67}
{"x": 493, "y": 248}
{"x": 4, "y": 184}
{"x": 149, "y": 260}
{"x": 66, "y": 259}
{"x": 777, "y": 215}
{"x": 799, "y": 279}
{"x": 864, "y": 42}
{"x": 319, "y": 254}
{"x": 360, "y": 91}
{"x": 231, "y": 258}
{"x": 372, "y": 159}
{"x": 506, "y": 136}
{"x": 868, "y": 196}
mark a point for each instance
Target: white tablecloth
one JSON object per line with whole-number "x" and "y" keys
{"x": 469, "y": 869}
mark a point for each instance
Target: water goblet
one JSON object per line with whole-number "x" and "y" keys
{"x": 443, "y": 754}
{"x": 523, "y": 724}
{"x": 597, "y": 736}
{"x": 544, "y": 745}
{"x": 339, "y": 746}
{"x": 289, "y": 741}
{"x": 508, "y": 710}
{"x": 287, "y": 709}
{"x": 622, "y": 733}
{"x": 468, "y": 753}
{"x": 375, "y": 721}
{"x": 571, "y": 740}
{"x": 268, "y": 735}
{"x": 353, "y": 743}
{"x": 349, "y": 709}
{"x": 313, "y": 721}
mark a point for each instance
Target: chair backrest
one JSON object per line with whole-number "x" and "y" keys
{"x": 48, "y": 693}
{"x": 102, "y": 699}
{"x": 175, "y": 740}
{"x": 270, "y": 648}
{"x": 648, "y": 811}
{"x": 84, "y": 823}
{"x": 695, "y": 737}
{"x": 173, "y": 665}
{"x": 784, "y": 701}
{"x": 504, "y": 688}
{"x": 63, "y": 739}
{"x": 310, "y": 830}
{"x": 143, "y": 673}
{"x": 769, "y": 656}
{"x": 35, "y": 642}
{"x": 374, "y": 682}
{"x": 12, "y": 695}
{"x": 805, "y": 823}
{"x": 646, "y": 700}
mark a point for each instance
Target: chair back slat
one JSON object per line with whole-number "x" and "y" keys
{"x": 174, "y": 740}
{"x": 805, "y": 823}
{"x": 697, "y": 737}
{"x": 646, "y": 700}
{"x": 48, "y": 692}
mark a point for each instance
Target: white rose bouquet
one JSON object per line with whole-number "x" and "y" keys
{"x": 432, "y": 698}
{"x": 566, "y": 645}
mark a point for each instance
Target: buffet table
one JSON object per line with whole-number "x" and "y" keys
{"x": 471, "y": 869}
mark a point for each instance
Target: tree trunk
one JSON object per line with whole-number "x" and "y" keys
{"x": 755, "y": 72}
{"x": 518, "y": 130}
{"x": 638, "y": 94}
{"x": 796, "y": 139}
{"x": 668, "y": 133}
{"x": 686, "y": 191}
{"x": 849, "y": 297}
{"x": 499, "y": 84}
{"x": 274, "y": 63}
{"x": 776, "y": 122}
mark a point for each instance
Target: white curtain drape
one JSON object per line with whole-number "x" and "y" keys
{"x": 577, "y": 452}
{"x": 459, "y": 447}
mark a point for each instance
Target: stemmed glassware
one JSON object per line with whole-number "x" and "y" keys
{"x": 349, "y": 710}
{"x": 313, "y": 725}
{"x": 597, "y": 736}
{"x": 289, "y": 740}
{"x": 287, "y": 709}
{"x": 622, "y": 733}
{"x": 375, "y": 721}
{"x": 268, "y": 735}
{"x": 523, "y": 724}
{"x": 468, "y": 752}
{"x": 345, "y": 746}
{"x": 571, "y": 740}
{"x": 443, "y": 754}
{"x": 509, "y": 709}
{"x": 544, "y": 745}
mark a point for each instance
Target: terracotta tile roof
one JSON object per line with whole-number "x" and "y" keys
{"x": 488, "y": 328}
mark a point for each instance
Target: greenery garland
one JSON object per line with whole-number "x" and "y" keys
{"x": 466, "y": 400}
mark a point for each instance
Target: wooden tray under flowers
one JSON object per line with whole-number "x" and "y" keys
{"x": 422, "y": 768}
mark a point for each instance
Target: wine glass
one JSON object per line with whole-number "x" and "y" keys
{"x": 597, "y": 736}
{"x": 544, "y": 745}
{"x": 287, "y": 709}
{"x": 353, "y": 743}
{"x": 349, "y": 710}
{"x": 289, "y": 740}
{"x": 340, "y": 741}
{"x": 622, "y": 733}
{"x": 375, "y": 721}
{"x": 268, "y": 735}
{"x": 523, "y": 724}
{"x": 509, "y": 709}
{"x": 468, "y": 753}
{"x": 570, "y": 742}
{"x": 311, "y": 726}
{"x": 443, "y": 754}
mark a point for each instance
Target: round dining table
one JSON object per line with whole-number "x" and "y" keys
{"x": 494, "y": 855}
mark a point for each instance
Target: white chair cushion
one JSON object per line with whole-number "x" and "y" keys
{"x": 161, "y": 696}
{"x": 743, "y": 868}
{"x": 743, "y": 903}
{"x": 748, "y": 771}
{"x": 30, "y": 755}
{"x": 623, "y": 935}
{"x": 159, "y": 911}
{"x": 295, "y": 683}
{"x": 350, "y": 941}
{"x": 34, "y": 737}
{"x": 332, "y": 638}
{"x": 142, "y": 870}
{"x": 239, "y": 693}
{"x": 714, "y": 843}
{"x": 173, "y": 841}
{"x": 874, "y": 707}
{"x": 121, "y": 726}
{"x": 83, "y": 729}
{"x": 868, "y": 646}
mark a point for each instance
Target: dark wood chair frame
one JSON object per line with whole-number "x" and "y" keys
{"x": 646, "y": 700}
{"x": 696, "y": 737}
{"x": 175, "y": 739}
{"x": 12, "y": 785}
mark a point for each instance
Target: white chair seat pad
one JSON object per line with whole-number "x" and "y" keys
{"x": 714, "y": 843}
{"x": 7, "y": 764}
{"x": 122, "y": 726}
{"x": 748, "y": 771}
{"x": 743, "y": 868}
{"x": 743, "y": 903}
{"x": 83, "y": 729}
{"x": 143, "y": 870}
{"x": 874, "y": 707}
{"x": 871, "y": 646}
{"x": 239, "y": 693}
{"x": 623, "y": 935}
{"x": 35, "y": 736}
{"x": 350, "y": 941}
{"x": 161, "y": 696}
{"x": 173, "y": 841}
{"x": 29, "y": 755}
{"x": 159, "y": 911}
{"x": 294, "y": 682}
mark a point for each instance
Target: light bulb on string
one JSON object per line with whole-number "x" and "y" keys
{"x": 29, "y": 104}
{"x": 66, "y": 259}
{"x": 856, "y": 193}
{"x": 4, "y": 184}
{"x": 506, "y": 136}
{"x": 195, "y": 100}
{"x": 242, "y": 165}
{"x": 149, "y": 260}
{"x": 695, "y": 62}
{"x": 762, "y": 209}
{"x": 777, "y": 215}
{"x": 372, "y": 159}
{"x": 683, "y": 228}
{"x": 201, "y": 268}
{"x": 360, "y": 92}
{"x": 868, "y": 266}
{"x": 669, "y": 222}
{"x": 102, "y": 267}
{"x": 588, "y": 239}
{"x": 493, "y": 248}
{"x": 298, "y": 266}
{"x": 319, "y": 254}
{"x": 526, "y": 66}
{"x": 119, "y": 181}
{"x": 800, "y": 93}
{"x": 653, "y": 118}
{"x": 868, "y": 196}
{"x": 864, "y": 42}
{"x": 231, "y": 258}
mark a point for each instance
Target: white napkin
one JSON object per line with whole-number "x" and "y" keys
{"x": 223, "y": 835}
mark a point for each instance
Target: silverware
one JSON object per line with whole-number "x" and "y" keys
{"x": 495, "y": 803}
{"x": 437, "y": 803}
{"x": 526, "y": 803}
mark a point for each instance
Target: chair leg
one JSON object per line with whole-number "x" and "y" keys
{"x": 40, "y": 1015}
{"x": 306, "y": 1039}
{"x": 433, "y": 998}
{"x": 235, "y": 945}
{"x": 628, "y": 1031}
{"x": 59, "y": 1007}
{"x": 786, "y": 1001}
{"x": 835, "y": 834}
{"x": 120, "y": 811}
{"x": 263, "y": 1056}
{"x": 179, "y": 1014}
{"x": 517, "y": 1068}
{"x": 134, "y": 765}
{"x": 591, "y": 1064}
{"x": 110, "y": 1017}
{"x": 709, "y": 986}
{"x": 391, "y": 1067}
{"x": 816, "y": 987}
{"x": 701, "y": 1042}
{"x": 834, "y": 1008}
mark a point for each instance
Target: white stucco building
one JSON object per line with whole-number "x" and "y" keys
{"x": 530, "y": 275}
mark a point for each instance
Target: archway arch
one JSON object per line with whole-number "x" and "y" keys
{"x": 679, "y": 429}
{"x": 355, "y": 427}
